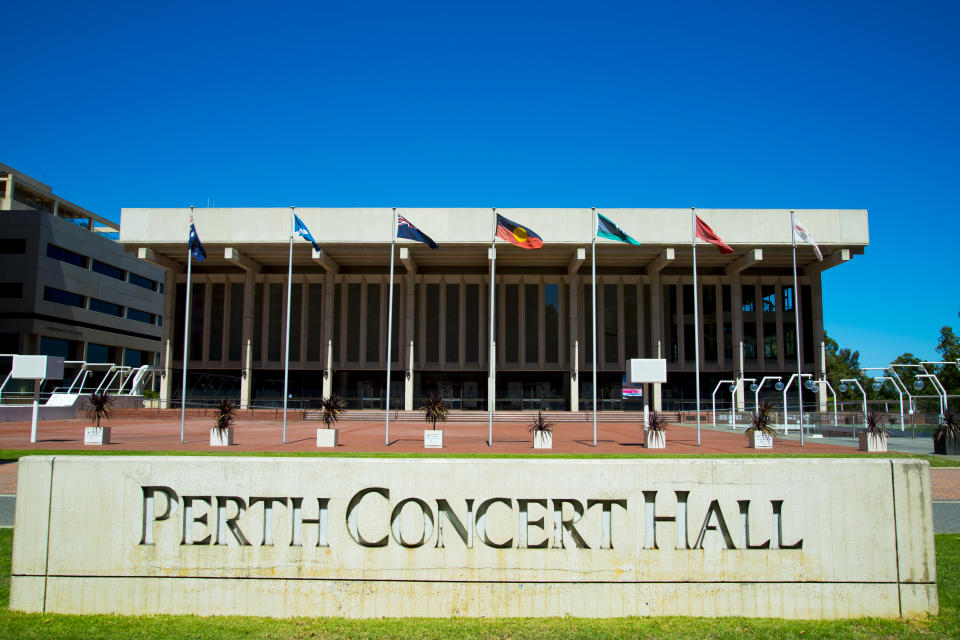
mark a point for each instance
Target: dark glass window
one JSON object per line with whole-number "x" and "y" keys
{"x": 139, "y": 316}
{"x": 354, "y": 298}
{"x": 11, "y": 289}
{"x": 789, "y": 340}
{"x": 102, "y": 306}
{"x": 108, "y": 270}
{"x": 395, "y": 332}
{"x": 472, "y": 322}
{"x": 452, "y": 323}
{"x": 749, "y": 340}
{"x": 134, "y": 358}
{"x": 588, "y": 324}
{"x": 234, "y": 346}
{"x": 257, "y": 322}
{"x": 296, "y": 312}
{"x": 140, "y": 281}
{"x": 551, "y": 322}
{"x": 63, "y": 297}
{"x": 275, "y": 324}
{"x": 670, "y": 322}
{"x": 217, "y": 303}
{"x": 13, "y": 245}
{"x": 373, "y": 322}
{"x": 54, "y": 347}
{"x": 433, "y": 322}
{"x": 709, "y": 315}
{"x": 531, "y": 323}
{"x": 315, "y": 323}
{"x": 770, "y": 340}
{"x": 768, "y": 297}
{"x": 631, "y": 338}
{"x": 788, "y": 298}
{"x": 611, "y": 330}
{"x": 806, "y": 320}
{"x": 197, "y": 300}
{"x": 511, "y": 325}
{"x": 65, "y": 255}
{"x": 749, "y": 297}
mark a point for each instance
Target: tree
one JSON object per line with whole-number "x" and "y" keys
{"x": 948, "y": 348}
{"x": 844, "y": 364}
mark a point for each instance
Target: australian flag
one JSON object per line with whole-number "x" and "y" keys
{"x": 196, "y": 247}
{"x": 407, "y": 230}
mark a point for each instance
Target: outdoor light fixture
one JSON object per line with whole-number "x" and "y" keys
{"x": 918, "y": 384}
{"x": 778, "y": 386}
{"x": 843, "y": 387}
{"x": 808, "y": 384}
{"x": 754, "y": 387}
{"x": 733, "y": 388}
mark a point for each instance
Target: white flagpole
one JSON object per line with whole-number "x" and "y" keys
{"x": 593, "y": 307}
{"x": 186, "y": 335}
{"x": 491, "y": 384}
{"x": 696, "y": 315}
{"x": 286, "y": 351}
{"x": 393, "y": 244}
{"x": 796, "y": 321}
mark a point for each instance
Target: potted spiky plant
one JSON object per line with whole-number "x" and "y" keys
{"x": 760, "y": 434}
{"x": 331, "y": 410}
{"x": 874, "y": 438}
{"x": 542, "y": 432}
{"x": 100, "y": 407}
{"x": 434, "y": 411}
{"x": 946, "y": 437}
{"x": 655, "y": 435}
{"x": 221, "y": 434}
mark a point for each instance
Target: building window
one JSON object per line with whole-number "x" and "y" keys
{"x": 749, "y": 340}
{"x": 452, "y": 323}
{"x": 611, "y": 330}
{"x": 788, "y": 298}
{"x": 749, "y": 293}
{"x": 102, "y": 306}
{"x": 63, "y": 297}
{"x": 65, "y": 255}
{"x": 511, "y": 323}
{"x": 54, "y": 347}
{"x": 135, "y": 358}
{"x": 100, "y": 353}
{"x": 789, "y": 341}
{"x": 236, "y": 321}
{"x": 551, "y": 322}
{"x": 275, "y": 326}
{"x": 670, "y": 322}
{"x": 215, "y": 346}
{"x": 314, "y": 322}
{"x": 11, "y": 289}
{"x": 769, "y": 340}
{"x": 108, "y": 270}
{"x": 140, "y": 281}
{"x": 296, "y": 312}
{"x": 140, "y": 316}
{"x": 472, "y": 321}
{"x": 433, "y": 322}
{"x": 13, "y": 245}
{"x": 531, "y": 323}
{"x": 768, "y": 294}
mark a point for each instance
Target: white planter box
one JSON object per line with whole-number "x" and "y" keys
{"x": 326, "y": 437}
{"x": 542, "y": 440}
{"x": 220, "y": 439}
{"x": 761, "y": 441}
{"x": 433, "y": 438}
{"x": 872, "y": 442}
{"x": 655, "y": 439}
{"x": 96, "y": 435}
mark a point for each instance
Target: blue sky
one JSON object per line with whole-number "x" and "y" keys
{"x": 608, "y": 104}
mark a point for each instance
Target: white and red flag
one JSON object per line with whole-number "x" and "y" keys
{"x": 801, "y": 232}
{"x": 705, "y": 233}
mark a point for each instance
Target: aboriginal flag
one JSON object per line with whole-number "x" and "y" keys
{"x": 517, "y": 234}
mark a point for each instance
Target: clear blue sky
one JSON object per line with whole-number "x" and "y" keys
{"x": 628, "y": 104}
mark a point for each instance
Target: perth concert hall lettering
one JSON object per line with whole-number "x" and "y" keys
{"x": 215, "y": 520}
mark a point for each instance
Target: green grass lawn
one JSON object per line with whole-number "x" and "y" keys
{"x": 946, "y": 625}
{"x": 7, "y": 455}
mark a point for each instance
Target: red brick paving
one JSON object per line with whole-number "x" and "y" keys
{"x": 150, "y": 433}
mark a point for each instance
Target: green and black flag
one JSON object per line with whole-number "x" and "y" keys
{"x": 606, "y": 229}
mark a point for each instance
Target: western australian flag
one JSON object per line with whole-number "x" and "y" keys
{"x": 196, "y": 247}
{"x": 407, "y": 230}
{"x": 301, "y": 230}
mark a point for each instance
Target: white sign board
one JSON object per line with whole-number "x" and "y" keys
{"x": 646, "y": 370}
{"x": 433, "y": 438}
{"x": 37, "y": 368}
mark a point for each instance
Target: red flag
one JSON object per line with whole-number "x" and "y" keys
{"x": 705, "y": 233}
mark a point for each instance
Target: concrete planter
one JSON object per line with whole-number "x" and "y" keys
{"x": 947, "y": 446}
{"x": 433, "y": 438}
{"x": 96, "y": 435}
{"x": 655, "y": 439}
{"x": 221, "y": 437}
{"x": 872, "y": 442}
{"x": 542, "y": 440}
{"x": 761, "y": 440}
{"x": 326, "y": 437}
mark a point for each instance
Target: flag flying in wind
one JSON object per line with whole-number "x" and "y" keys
{"x": 407, "y": 230}
{"x": 606, "y": 229}
{"x": 517, "y": 234}
{"x": 801, "y": 232}
{"x": 705, "y": 233}
{"x": 301, "y": 230}
{"x": 196, "y": 247}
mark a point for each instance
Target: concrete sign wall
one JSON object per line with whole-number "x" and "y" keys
{"x": 797, "y": 538}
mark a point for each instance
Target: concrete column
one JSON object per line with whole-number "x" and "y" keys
{"x": 410, "y": 333}
{"x": 656, "y": 331}
{"x": 246, "y": 375}
{"x": 329, "y": 289}
{"x": 166, "y": 356}
{"x": 574, "y": 342}
{"x": 736, "y": 310}
{"x": 7, "y": 203}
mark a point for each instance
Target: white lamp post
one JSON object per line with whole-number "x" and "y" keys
{"x": 793, "y": 377}
{"x": 843, "y": 388}
{"x": 757, "y": 387}
{"x": 715, "y": 389}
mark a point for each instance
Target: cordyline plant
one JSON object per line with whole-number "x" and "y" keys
{"x": 100, "y": 407}
{"x": 224, "y": 416}
{"x": 657, "y": 422}
{"x": 434, "y": 410}
{"x": 949, "y": 428}
{"x": 331, "y": 410}
{"x": 760, "y": 422}
{"x": 874, "y": 425}
{"x": 541, "y": 426}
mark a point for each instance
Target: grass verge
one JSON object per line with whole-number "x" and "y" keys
{"x": 946, "y": 625}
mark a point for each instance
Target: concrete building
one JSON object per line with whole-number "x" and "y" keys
{"x": 67, "y": 287}
{"x": 441, "y": 303}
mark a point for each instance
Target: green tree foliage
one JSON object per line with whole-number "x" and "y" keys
{"x": 948, "y": 348}
{"x": 844, "y": 364}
